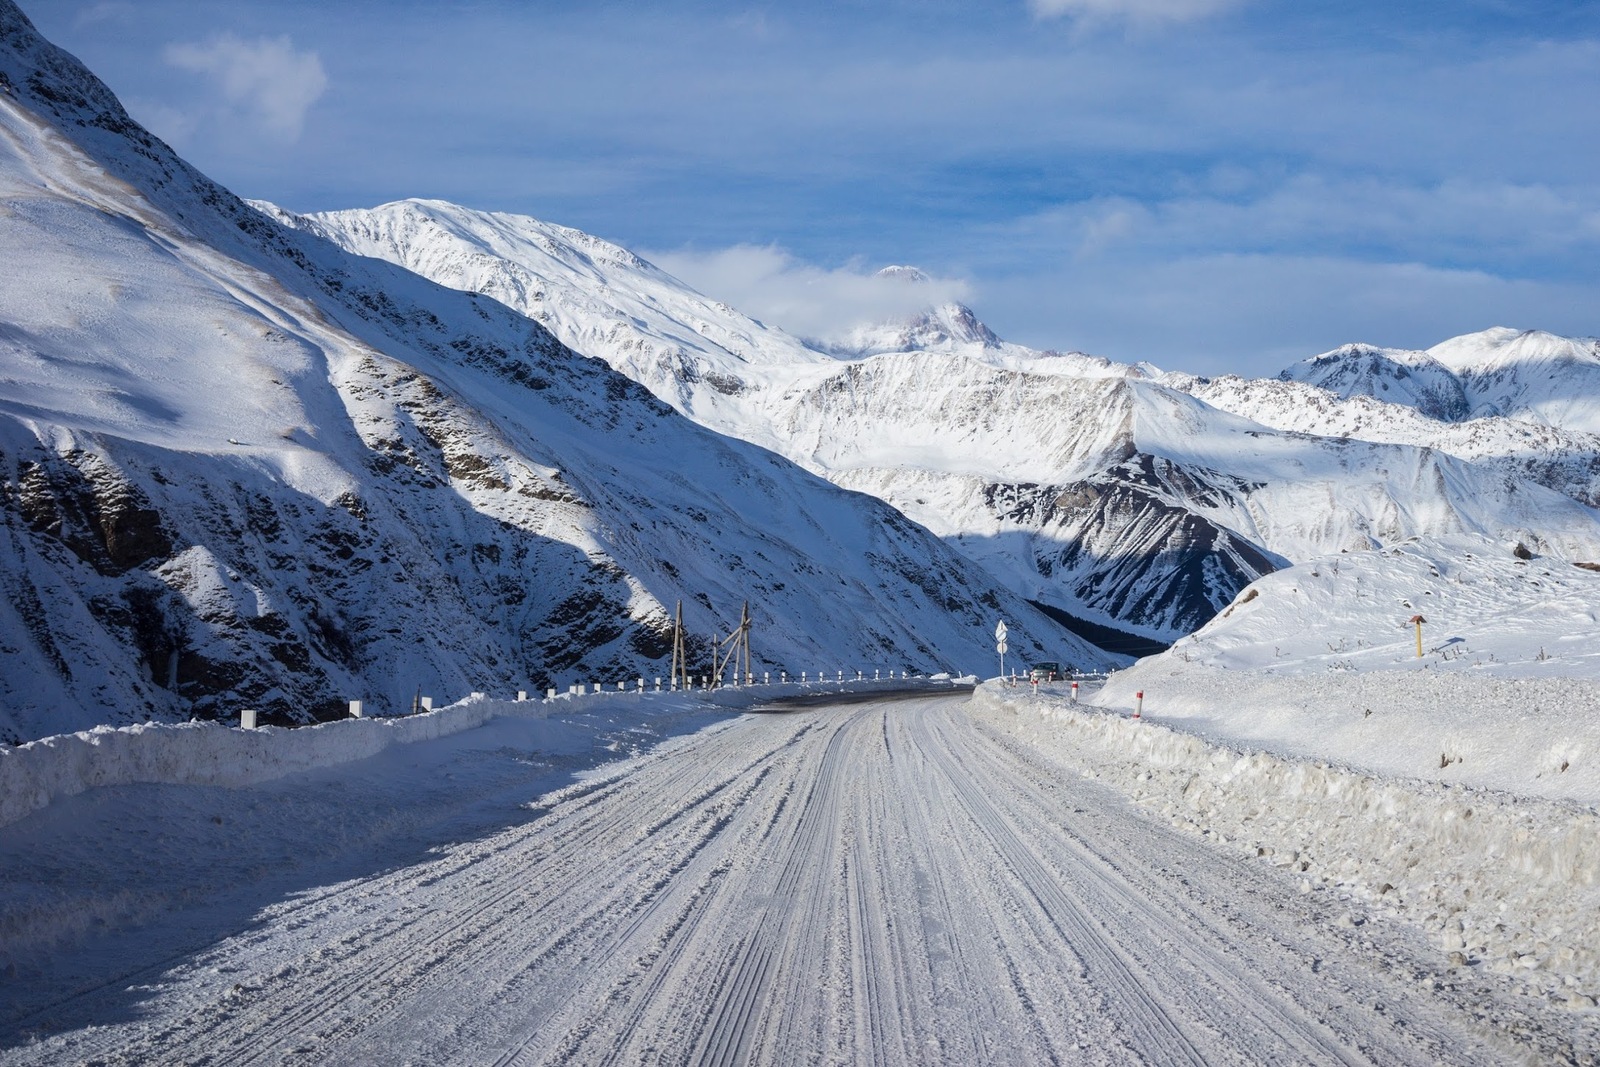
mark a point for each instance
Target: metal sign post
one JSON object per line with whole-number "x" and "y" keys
{"x": 1000, "y": 644}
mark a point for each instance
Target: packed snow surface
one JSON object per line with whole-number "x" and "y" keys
{"x": 895, "y": 882}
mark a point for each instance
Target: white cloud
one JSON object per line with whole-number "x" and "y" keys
{"x": 265, "y": 80}
{"x": 1136, "y": 11}
{"x": 770, "y": 284}
{"x": 1493, "y": 225}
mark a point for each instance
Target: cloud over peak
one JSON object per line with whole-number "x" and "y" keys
{"x": 264, "y": 80}
{"x": 770, "y": 284}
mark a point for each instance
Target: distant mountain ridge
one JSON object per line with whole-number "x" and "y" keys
{"x": 1527, "y": 375}
{"x": 1116, "y": 493}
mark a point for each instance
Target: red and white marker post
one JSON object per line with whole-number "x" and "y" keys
{"x": 1138, "y": 704}
{"x": 1074, "y": 692}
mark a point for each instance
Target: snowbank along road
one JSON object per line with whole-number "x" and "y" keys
{"x": 880, "y": 883}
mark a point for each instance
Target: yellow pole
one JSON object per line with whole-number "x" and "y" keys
{"x": 1419, "y": 638}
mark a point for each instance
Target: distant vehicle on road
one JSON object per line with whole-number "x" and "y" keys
{"x": 1045, "y": 671}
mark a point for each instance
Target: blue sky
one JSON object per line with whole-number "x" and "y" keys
{"x": 1210, "y": 185}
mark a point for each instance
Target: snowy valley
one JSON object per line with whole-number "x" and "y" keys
{"x": 256, "y": 459}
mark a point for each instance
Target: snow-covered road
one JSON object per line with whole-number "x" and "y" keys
{"x": 885, "y": 883}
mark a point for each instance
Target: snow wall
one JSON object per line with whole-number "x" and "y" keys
{"x": 1503, "y": 881}
{"x": 209, "y": 753}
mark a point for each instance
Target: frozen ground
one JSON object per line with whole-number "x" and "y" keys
{"x": 888, "y": 882}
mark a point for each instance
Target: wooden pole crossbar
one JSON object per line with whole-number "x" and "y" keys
{"x": 739, "y": 652}
{"x": 736, "y": 644}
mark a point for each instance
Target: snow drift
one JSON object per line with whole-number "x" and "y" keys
{"x": 1498, "y": 880}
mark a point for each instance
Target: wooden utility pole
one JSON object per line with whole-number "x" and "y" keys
{"x": 744, "y": 628}
{"x": 739, "y": 652}
{"x": 680, "y": 655}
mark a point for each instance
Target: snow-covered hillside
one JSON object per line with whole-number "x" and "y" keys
{"x": 244, "y": 467}
{"x": 600, "y": 299}
{"x": 1099, "y": 489}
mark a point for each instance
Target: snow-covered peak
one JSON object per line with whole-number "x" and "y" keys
{"x": 578, "y": 284}
{"x": 1091, "y": 484}
{"x": 1501, "y": 347}
{"x": 905, "y": 274}
{"x": 1530, "y": 375}
{"x": 942, "y": 328}
{"x": 1398, "y": 376}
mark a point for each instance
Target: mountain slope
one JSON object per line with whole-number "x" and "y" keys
{"x": 243, "y": 467}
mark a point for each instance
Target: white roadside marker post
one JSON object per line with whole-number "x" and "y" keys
{"x": 355, "y": 709}
{"x": 1074, "y": 692}
{"x": 550, "y": 694}
{"x": 1138, "y": 704}
{"x": 427, "y": 703}
{"x": 247, "y": 719}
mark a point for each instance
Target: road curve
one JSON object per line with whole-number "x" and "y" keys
{"x": 881, "y": 883}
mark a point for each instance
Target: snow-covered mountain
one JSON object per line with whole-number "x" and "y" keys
{"x": 1113, "y": 493}
{"x": 1522, "y": 404}
{"x": 242, "y": 467}
{"x": 1411, "y": 379}
{"x": 1528, "y": 375}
